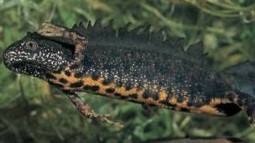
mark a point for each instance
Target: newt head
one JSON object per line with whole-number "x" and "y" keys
{"x": 36, "y": 55}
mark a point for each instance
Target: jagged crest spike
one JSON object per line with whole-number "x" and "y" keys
{"x": 90, "y": 24}
{"x": 137, "y": 29}
{"x": 124, "y": 29}
{"x": 79, "y": 28}
{"x": 142, "y": 37}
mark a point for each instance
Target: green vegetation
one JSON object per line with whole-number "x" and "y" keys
{"x": 32, "y": 111}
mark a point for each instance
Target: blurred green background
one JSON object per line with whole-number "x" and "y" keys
{"x": 32, "y": 111}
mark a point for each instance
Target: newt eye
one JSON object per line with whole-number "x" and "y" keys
{"x": 31, "y": 45}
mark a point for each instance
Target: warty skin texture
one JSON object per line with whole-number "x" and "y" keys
{"x": 143, "y": 70}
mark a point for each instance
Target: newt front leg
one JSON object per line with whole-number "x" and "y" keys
{"x": 80, "y": 42}
{"x": 86, "y": 111}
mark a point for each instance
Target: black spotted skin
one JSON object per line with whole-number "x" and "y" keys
{"x": 135, "y": 68}
{"x": 150, "y": 78}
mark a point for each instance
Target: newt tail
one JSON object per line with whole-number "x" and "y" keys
{"x": 141, "y": 68}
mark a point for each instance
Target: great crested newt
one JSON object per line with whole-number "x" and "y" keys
{"x": 144, "y": 68}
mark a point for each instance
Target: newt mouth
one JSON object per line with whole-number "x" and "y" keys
{"x": 9, "y": 60}
{"x": 28, "y": 68}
